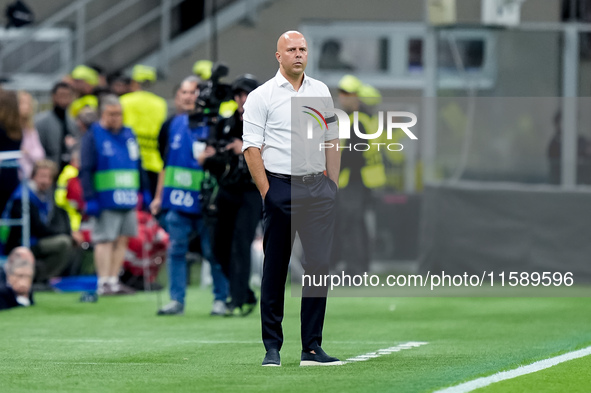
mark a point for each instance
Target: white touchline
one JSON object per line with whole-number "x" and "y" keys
{"x": 386, "y": 351}
{"x": 523, "y": 370}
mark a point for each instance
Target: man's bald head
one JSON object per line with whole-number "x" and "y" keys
{"x": 292, "y": 54}
{"x": 22, "y": 253}
{"x": 19, "y": 257}
{"x": 288, "y": 36}
{"x": 20, "y": 269}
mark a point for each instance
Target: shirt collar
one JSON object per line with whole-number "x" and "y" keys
{"x": 281, "y": 81}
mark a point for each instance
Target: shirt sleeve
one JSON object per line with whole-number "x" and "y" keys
{"x": 36, "y": 150}
{"x": 49, "y": 145}
{"x": 74, "y": 194}
{"x": 87, "y": 165}
{"x": 331, "y": 119}
{"x": 163, "y": 139}
{"x": 144, "y": 179}
{"x": 255, "y": 118}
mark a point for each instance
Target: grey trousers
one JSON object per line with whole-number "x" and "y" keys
{"x": 52, "y": 255}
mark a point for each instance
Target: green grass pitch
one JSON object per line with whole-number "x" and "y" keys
{"x": 120, "y": 345}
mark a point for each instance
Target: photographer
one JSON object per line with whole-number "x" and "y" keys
{"x": 239, "y": 205}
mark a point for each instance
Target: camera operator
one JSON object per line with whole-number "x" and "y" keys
{"x": 183, "y": 148}
{"x": 239, "y": 205}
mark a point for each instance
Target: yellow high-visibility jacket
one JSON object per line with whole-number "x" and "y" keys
{"x": 373, "y": 173}
{"x": 61, "y": 200}
{"x": 144, "y": 113}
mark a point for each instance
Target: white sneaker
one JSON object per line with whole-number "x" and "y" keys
{"x": 172, "y": 308}
{"x": 105, "y": 290}
{"x": 219, "y": 308}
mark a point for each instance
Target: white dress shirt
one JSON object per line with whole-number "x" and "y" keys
{"x": 268, "y": 126}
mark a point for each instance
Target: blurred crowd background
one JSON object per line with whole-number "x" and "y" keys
{"x": 500, "y": 88}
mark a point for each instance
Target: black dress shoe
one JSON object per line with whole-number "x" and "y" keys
{"x": 272, "y": 358}
{"x": 247, "y": 308}
{"x": 320, "y": 358}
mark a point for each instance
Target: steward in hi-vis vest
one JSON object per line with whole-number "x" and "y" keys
{"x": 179, "y": 188}
{"x": 372, "y": 170}
{"x": 359, "y": 166}
{"x": 144, "y": 112}
{"x": 111, "y": 177}
{"x": 183, "y": 149}
{"x": 85, "y": 80}
{"x": 183, "y": 173}
{"x": 117, "y": 178}
{"x": 361, "y": 172}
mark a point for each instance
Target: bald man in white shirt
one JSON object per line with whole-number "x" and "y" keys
{"x": 297, "y": 196}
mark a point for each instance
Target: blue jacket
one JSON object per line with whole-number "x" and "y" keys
{"x": 46, "y": 219}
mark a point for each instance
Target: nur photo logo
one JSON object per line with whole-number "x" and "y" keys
{"x": 387, "y": 121}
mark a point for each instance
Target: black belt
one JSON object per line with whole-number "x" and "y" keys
{"x": 309, "y": 178}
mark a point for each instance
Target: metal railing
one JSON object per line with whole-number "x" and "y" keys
{"x": 76, "y": 51}
{"x": 232, "y": 13}
{"x": 9, "y": 160}
{"x": 82, "y": 28}
{"x": 53, "y": 42}
{"x": 60, "y": 16}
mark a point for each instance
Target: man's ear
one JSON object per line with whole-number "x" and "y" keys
{"x": 278, "y": 56}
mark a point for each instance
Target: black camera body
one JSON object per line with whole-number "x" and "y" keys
{"x": 212, "y": 93}
{"x": 207, "y": 105}
{"x": 207, "y": 114}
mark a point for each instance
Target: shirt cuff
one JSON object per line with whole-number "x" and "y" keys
{"x": 252, "y": 142}
{"x": 252, "y": 136}
{"x": 332, "y": 132}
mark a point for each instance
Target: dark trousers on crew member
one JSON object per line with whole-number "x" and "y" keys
{"x": 292, "y": 206}
{"x": 239, "y": 213}
{"x": 351, "y": 239}
{"x": 153, "y": 180}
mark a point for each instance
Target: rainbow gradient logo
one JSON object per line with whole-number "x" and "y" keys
{"x": 317, "y": 117}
